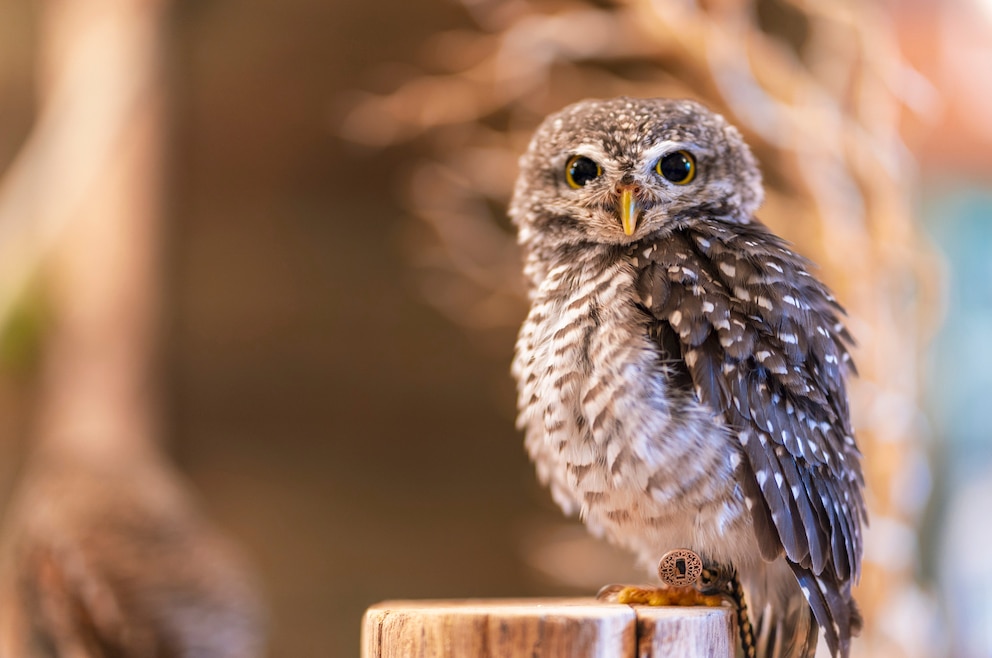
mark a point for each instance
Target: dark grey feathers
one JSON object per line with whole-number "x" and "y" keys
{"x": 763, "y": 345}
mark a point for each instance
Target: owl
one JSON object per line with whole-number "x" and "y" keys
{"x": 681, "y": 373}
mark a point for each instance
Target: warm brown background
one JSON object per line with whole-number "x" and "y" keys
{"x": 357, "y": 444}
{"x": 355, "y": 441}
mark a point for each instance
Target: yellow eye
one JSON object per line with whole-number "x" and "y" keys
{"x": 580, "y": 170}
{"x": 678, "y": 167}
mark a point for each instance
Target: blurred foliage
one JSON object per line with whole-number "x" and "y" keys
{"x": 22, "y": 335}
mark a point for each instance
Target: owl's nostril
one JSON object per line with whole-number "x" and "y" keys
{"x": 634, "y": 190}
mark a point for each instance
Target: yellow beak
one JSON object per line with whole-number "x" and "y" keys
{"x": 628, "y": 211}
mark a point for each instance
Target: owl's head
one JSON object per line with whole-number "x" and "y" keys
{"x": 618, "y": 170}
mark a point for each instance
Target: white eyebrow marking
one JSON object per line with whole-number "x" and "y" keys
{"x": 592, "y": 151}
{"x": 661, "y": 148}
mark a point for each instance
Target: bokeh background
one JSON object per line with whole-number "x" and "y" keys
{"x": 337, "y": 293}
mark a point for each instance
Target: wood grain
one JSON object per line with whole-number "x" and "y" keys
{"x": 543, "y": 628}
{"x": 679, "y": 632}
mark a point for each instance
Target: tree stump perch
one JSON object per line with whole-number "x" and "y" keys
{"x": 545, "y": 628}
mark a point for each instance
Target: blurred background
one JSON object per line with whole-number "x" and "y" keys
{"x": 319, "y": 304}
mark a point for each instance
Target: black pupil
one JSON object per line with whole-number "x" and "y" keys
{"x": 583, "y": 170}
{"x": 676, "y": 167}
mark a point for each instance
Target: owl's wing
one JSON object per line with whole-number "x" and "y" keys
{"x": 762, "y": 343}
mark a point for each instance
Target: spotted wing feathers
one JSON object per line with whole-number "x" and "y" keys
{"x": 763, "y": 345}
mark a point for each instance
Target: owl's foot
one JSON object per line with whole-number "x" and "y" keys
{"x": 658, "y": 596}
{"x": 686, "y": 581}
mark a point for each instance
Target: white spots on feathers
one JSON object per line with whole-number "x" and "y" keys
{"x": 728, "y": 268}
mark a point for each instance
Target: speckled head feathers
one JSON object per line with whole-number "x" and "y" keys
{"x": 626, "y": 138}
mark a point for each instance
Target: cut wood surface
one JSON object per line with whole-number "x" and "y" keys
{"x": 543, "y": 628}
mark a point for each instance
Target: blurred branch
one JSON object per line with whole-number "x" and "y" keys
{"x": 104, "y": 553}
{"x": 83, "y": 121}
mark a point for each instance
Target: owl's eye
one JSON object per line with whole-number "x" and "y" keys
{"x": 580, "y": 170}
{"x": 678, "y": 167}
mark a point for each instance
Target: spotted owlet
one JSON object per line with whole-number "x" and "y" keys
{"x": 681, "y": 373}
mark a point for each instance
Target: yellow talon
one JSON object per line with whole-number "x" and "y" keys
{"x": 660, "y": 596}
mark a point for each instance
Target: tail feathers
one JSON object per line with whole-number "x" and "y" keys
{"x": 786, "y": 630}
{"x": 833, "y": 607}
{"x": 784, "y": 624}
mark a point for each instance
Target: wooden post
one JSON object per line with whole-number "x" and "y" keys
{"x": 544, "y": 628}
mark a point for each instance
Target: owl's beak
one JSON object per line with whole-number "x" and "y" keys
{"x": 628, "y": 210}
